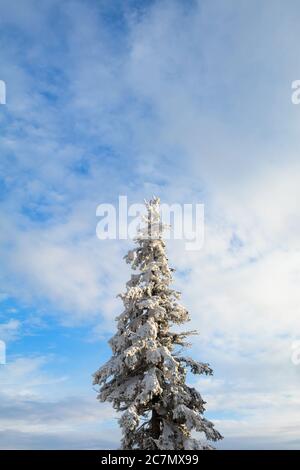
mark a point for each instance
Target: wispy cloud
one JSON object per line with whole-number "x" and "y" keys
{"x": 33, "y": 416}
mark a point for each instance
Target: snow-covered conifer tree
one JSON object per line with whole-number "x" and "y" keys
{"x": 146, "y": 377}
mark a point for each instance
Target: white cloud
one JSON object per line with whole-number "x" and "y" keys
{"x": 36, "y": 411}
{"x": 9, "y": 330}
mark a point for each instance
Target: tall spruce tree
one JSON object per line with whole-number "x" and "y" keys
{"x": 146, "y": 377}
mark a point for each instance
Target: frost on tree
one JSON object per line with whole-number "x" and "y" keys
{"x": 145, "y": 377}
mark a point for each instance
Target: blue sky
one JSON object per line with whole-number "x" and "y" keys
{"x": 188, "y": 100}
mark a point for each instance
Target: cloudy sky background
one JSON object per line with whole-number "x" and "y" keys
{"x": 189, "y": 100}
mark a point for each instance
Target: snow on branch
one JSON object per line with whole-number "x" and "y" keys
{"x": 145, "y": 378}
{"x": 150, "y": 387}
{"x": 196, "y": 367}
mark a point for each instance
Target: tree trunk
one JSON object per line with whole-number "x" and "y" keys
{"x": 155, "y": 425}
